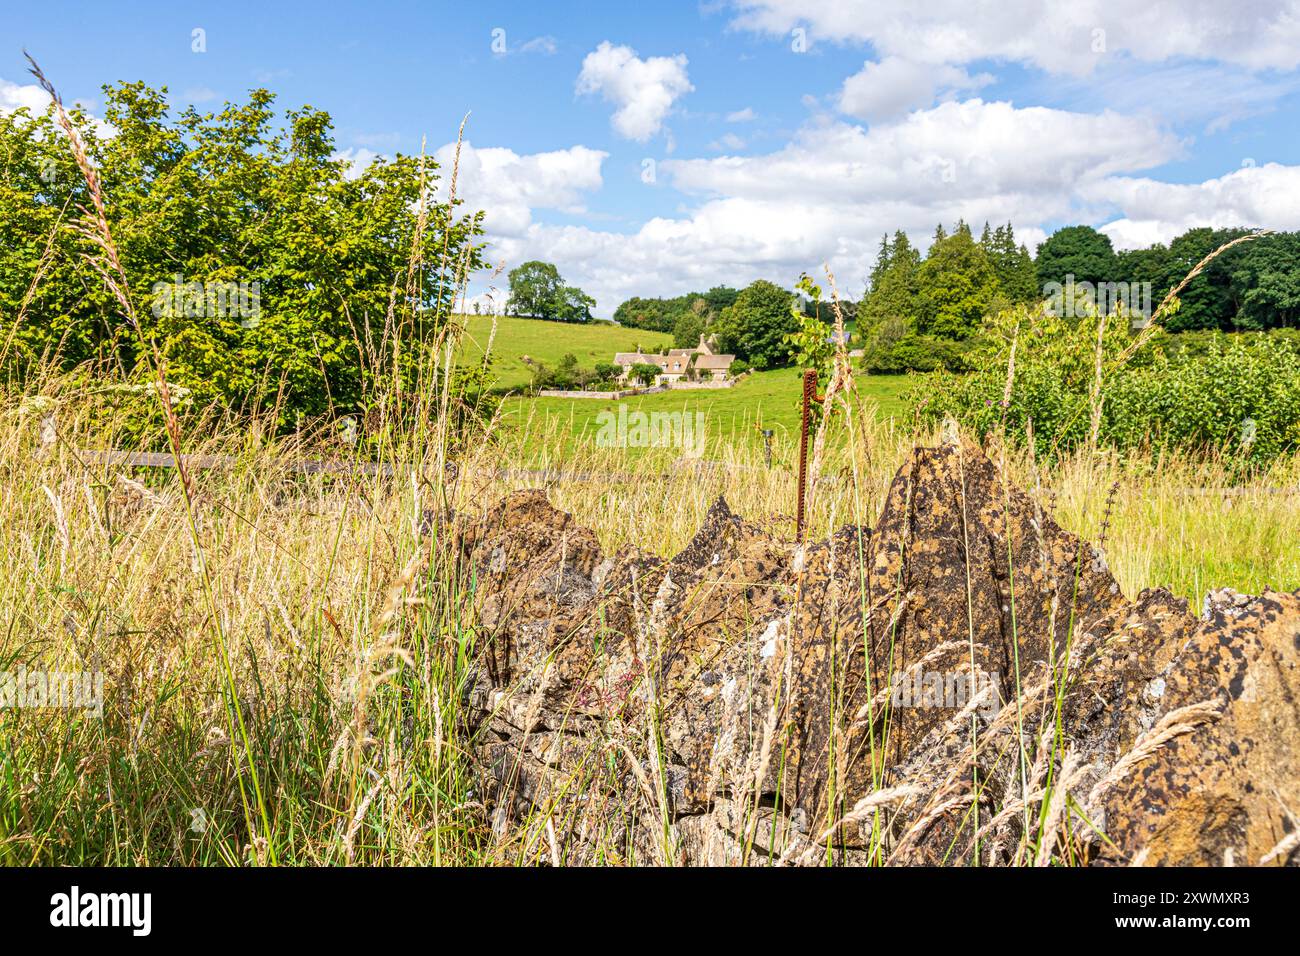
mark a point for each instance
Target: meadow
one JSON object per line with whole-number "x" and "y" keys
{"x": 285, "y": 656}
{"x": 512, "y": 339}
{"x": 760, "y": 400}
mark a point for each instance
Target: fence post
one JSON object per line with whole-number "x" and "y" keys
{"x": 809, "y": 396}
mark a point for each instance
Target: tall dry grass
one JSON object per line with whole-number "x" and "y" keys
{"x": 349, "y": 634}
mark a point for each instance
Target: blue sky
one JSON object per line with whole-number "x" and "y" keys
{"x": 654, "y": 148}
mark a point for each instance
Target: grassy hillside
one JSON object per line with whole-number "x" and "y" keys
{"x": 761, "y": 400}
{"x": 547, "y": 342}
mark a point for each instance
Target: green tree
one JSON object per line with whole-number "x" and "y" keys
{"x": 572, "y": 305}
{"x": 203, "y": 202}
{"x": 754, "y": 327}
{"x": 719, "y": 298}
{"x": 1268, "y": 282}
{"x": 535, "y": 290}
{"x": 687, "y": 330}
{"x": 894, "y": 290}
{"x": 1211, "y": 300}
{"x": 1078, "y": 251}
{"x": 645, "y": 373}
{"x": 1016, "y": 272}
{"x": 957, "y": 286}
{"x": 1149, "y": 269}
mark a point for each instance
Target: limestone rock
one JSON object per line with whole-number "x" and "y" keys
{"x": 924, "y": 691}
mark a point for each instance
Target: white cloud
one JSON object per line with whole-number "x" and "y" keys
{"x": 727, "y": 141}
{"x": 509, "y": 186}
{"x": 969, "y": 152}
{"x": 643, "y": 90}
{"x": 357, "y": 158}
{"x": 15, "y": 96}
{"x": 747, "y": 115}
{"x": 1267, "y": 196}
{"x": 1059, "y": 36}
{"x": 895, "y": 85}
{"x": 830, "y": 194}
{"x": 30, "y": 95}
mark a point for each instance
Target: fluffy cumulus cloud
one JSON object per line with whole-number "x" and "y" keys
{"x": 642, "y": 90}
{"x": 955, "y": 154}
{"x": 829, "y": 195}
{"x": 1059, "y": 36}
{"x": 894, "y": 85}
{"x": 508, "y": 186}
{"x": 1267, "y": 196}
{"x": 14, "y": 96}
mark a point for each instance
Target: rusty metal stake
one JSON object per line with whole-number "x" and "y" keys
{"x": 809, "y": 396}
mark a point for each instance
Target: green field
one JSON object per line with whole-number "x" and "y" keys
{"x": 547, "y": 342}
{"x": 760, "y": 400}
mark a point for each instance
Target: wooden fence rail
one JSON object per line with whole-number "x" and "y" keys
{"x": 703, "y": 467}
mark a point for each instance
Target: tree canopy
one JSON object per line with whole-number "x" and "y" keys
{"x": 755, "y": 326}
{"x": 1078, "y": 251}
{"x": 331, "y": 268}
{"x": 663, "y": 314}
{"x": 957, "y": 285}
{"x": 538, "y": 290}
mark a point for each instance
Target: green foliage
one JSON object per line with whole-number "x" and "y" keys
{"x": 1267, "y": 282}
{"x": 1211, "y": 298}
{"x": 957, "y": 286}
{"x": 663, "y": 315}
{"x": 537, "y": 290}
{"x": 1252, "y": 286}
{"x": 894, "y": 283}
{"x": 719, "y": 298}
{"x": 1013, "y": 265}
{"x": 755, "y": 326}
{"x": 1237, "y": 396}
{"x": 573, "y": 305}
{"x": 811, "y": 344}
{"x": 895, "y": 350}
{"x": 568, "y": 375}
{"x": 644, "y": 372}
{"x": 687, "y": 330}
{"x": 337, "y": 295}
{"x": 534, "y": 289}
{"x": 913, "y": 304}
{"x": 1078, "y": 251}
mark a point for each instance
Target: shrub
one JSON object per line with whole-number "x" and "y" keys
{"x": 915, "y": 353}
{"x": 645, "y": 373}
{"x": 270, "y": 275}
{"x": 1233, "y": 395}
